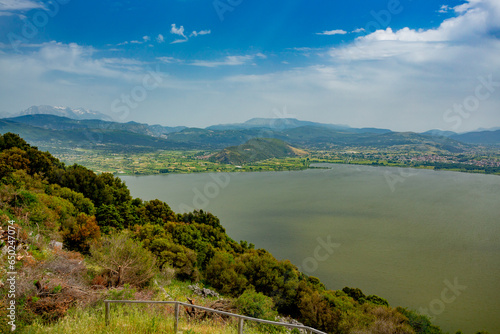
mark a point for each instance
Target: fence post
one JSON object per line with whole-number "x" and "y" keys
{"x": 176, "y": 321}
{"x": 106, "y": 316}
{"x": 240, "y": 326}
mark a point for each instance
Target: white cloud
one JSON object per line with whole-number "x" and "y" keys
{"x": 8, "y": 7}
{"x": 444, "y": 9}
{"x": 229, "y": 61}
{"x": 179, "y": 41}
{"x": 332, "y": 32}
{"x": 169, "y": 60}
{"x": 476, "y": 19}
{"x": 178, "y": 31}
{"x": 146, "y": 38}
{"x": 200, "y": 33}
{"x": 160, "y": 39}
{"x": 358, "y": 30}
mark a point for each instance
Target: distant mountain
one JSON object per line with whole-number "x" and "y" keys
{"x": 50, "y": 131}
{"x": 481, "y": 137}
{"x": 78, "y": 113}
{"x": 63, "y": 123}
{"x": 257, "y": 149}
{"x": 277, "y": 124}
{"x": 486, "y": 129}
{"x": 437, "y": 132}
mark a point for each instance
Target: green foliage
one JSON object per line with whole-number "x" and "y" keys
{"x": 256, "y": 305}
{"x": 109, "y": 218}
{"x": 24, "y": 199}
{"x": 255, "y": 149}
{"x": 75, "y": 203}
{"x": 57, "y": 289}
{"x": 156, "y": 212}
{"x": 377, "y": 300}
{"x": 80, "y": 202}
{"x": 316, "y": 310}
{"x": 221, "y": 273}
{"x": 125, "y": 293}
{"x": 124, "y": 260}
{"x": 421, "y": 324}
{"x": 177, "y": 256}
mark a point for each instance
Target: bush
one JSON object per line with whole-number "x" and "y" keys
{"x": 124, "y": 260}
{"x": 82, "y": 233}
{"x": 221, "y": 274}
{"x": 256, "y": 305}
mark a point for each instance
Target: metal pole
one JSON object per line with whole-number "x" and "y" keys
{"x": 240, "y": 326}
{"x": 106, "y": 317}
{"x": 176, "y": 321}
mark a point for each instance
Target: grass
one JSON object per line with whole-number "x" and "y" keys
{"x": 132, "y": 318}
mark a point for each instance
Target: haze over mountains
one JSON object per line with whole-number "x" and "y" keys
{"x": 73, "y": 113}
{"x": 47, "y": 126}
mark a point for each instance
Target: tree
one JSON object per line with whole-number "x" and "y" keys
{"x": 109, "y": 218}
{"x": 124, "y": 259}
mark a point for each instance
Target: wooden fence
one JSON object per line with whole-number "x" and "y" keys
{"x": 241, "y": 318}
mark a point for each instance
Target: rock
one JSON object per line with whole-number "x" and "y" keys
{"x": 56, "y": 245}
{"x": 204, "y": 292}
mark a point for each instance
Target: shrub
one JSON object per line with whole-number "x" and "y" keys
{"x": 256, "y": 305}
{"x": 221, "y": 274}
{"x": 82, "y": 233}
{"x": 124, "y": 260}
{"x": 421, "y": 324}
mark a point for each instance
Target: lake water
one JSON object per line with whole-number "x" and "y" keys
{"x": 422, "y": 239}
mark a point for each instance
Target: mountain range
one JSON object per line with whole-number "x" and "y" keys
{"x": 48, "y": 131}
{"x": 73, "y": 113}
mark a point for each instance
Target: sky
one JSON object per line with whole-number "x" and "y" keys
{"x": 406, "y": 65}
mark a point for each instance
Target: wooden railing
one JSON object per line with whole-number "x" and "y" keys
{"x": 241, "y": 318}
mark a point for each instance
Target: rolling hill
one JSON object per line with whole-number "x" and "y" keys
{"x": 257, "y": 149}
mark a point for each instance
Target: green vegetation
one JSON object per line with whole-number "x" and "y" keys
{"x": 257, "y": 149}
{"x": 125, "y": 248}
{"x": 164, "y": 162}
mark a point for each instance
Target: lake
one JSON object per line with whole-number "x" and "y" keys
{"x": 423, "y": 239}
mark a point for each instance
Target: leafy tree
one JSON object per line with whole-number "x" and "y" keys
{"x": 109, "y": 218}
{"x": 156, "y": 212}
{"x": 177, "y": 256}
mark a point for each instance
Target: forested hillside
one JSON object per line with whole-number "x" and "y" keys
{"x": 116, "y": 240}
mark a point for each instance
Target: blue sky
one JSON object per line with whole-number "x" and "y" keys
{"x": 407, "y": 65}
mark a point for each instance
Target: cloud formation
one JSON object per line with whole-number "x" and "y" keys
{"x": 180, "y": 32}
{"x": 200, "y": 33}
{"x": 230, "y": 61}
{"x": 332, "y": 32}
{"x": 10, "y": 7}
